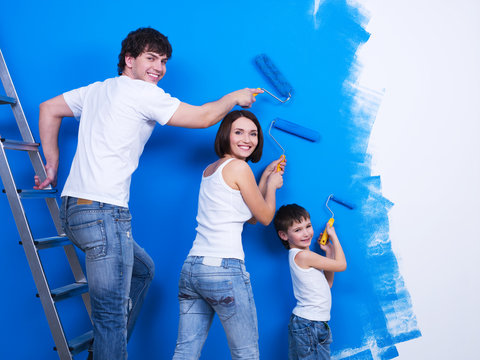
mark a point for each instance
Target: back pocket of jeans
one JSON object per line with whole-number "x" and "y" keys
{"x": 91, "y": 238}
{"x": 220, "y": 295}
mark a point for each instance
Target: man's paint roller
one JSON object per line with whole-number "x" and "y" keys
{"x": 275, "y": 77}
{"x": 293, "y": 129}
{"x": 323, "y": 239}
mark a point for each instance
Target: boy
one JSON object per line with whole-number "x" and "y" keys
{"x": 312, "y": 278}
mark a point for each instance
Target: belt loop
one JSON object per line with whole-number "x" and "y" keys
{"x": 225, "y": 263}
{"x": 100, "y": 205}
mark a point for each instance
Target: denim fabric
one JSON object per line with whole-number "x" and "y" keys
{"x": 119, "y": 272}
{"x": 308, "y": 340}
{"x": 225, "y": 290}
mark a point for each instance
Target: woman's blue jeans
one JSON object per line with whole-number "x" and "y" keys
{"x": 206, "y": 288}
{"x": 308, "y": 340}
{"x": 119, "y": 272}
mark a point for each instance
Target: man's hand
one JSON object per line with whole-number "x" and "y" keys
{"x": 246, "y": 97}
{"x": 50, "y": 180}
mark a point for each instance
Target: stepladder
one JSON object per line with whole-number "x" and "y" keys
{"x": 34, "y": 247}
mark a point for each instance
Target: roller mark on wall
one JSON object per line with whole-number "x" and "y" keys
{"x": 376, "y": 313}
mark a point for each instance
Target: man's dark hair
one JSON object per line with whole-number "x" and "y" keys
{"x": 140, "y": 41}
{"x": 286, "y": 216}
{"x": 222, "y": 140}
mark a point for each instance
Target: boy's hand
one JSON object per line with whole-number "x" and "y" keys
{"x": 328, "y": 248}
{"x": 330, "y": 231}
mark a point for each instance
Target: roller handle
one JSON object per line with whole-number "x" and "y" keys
{"x": 278, "y": 165}
{"x": 257, "y": 93}
{"x": 324, "y": 238}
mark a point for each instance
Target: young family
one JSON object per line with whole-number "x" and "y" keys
{"x": 116, "y": 118}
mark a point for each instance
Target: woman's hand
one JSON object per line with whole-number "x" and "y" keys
{"x": 272, "y": 167}
{"x": 275, "y": 179}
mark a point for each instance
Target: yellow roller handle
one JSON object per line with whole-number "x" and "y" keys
{"x": 278, "y": 165}
{"x": 324, "y": 237}
{"x": 257, "y": 93}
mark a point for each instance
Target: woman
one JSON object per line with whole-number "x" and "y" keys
{"x": 213, "y": 278}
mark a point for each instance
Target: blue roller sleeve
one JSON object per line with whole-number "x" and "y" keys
{"x": 341, "y": 202}
{"x": 297, "y": 130}
{"x": 271, "y": 72}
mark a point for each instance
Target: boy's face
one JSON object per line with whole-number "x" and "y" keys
{"x": 299, "y": 235}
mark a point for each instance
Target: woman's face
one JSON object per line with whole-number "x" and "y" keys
{"x": 243, "y": 138}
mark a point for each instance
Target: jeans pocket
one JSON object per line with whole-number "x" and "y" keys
{"x": 186, "y": 297}
{"x": 324, "y": 334}
{"x": 246, "y": 276}
{"x": 220, "y": 295}
{"x": 91, "y": 238}
{"x": 301, "y": 337}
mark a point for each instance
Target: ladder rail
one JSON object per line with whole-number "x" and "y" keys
{"x": 39, "y": 168}
{"x": 16, "y": 108}
{"x": 32, "y": 257}
{"x": 64, "y": 350}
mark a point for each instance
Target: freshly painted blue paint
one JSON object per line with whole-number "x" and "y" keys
{"x": 55, "y": 46}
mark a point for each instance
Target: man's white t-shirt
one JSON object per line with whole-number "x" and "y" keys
{"x": 117, "y": 117}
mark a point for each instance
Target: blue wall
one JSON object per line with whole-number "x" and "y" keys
{"x": 57, "y": 46}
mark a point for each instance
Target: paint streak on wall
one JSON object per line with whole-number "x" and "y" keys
{"x": 382, "y": 316}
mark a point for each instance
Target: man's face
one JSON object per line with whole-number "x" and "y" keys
{"x": 148, "y": 66}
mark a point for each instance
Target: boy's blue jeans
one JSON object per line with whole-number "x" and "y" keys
{"x": 224, "y": 289}
{"x": 308, "y": 340}
{"x": 119, "y": 272}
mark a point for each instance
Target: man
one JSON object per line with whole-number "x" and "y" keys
{"x": 117, "y": 116}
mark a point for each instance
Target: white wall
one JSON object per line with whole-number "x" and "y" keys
{"x": 425, "y": 56}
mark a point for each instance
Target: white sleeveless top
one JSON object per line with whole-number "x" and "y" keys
{"x": 221, "y": 215}
{"x": 311, "y": 290}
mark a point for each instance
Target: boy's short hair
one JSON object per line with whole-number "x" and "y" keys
{"x": 141, "y": 40}
{"x": 222, "y": 140}
{"x": 286, "y": 216}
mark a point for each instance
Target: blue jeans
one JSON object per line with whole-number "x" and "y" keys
{"x": 225, "y": 290}
{"x": 308, "y": 340}
{"x": 119, "y": 272}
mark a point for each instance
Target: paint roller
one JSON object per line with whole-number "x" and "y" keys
{"x": 275, "y": 77}
{"x": 293, "y": 129}
{"x": 323, "y": 239}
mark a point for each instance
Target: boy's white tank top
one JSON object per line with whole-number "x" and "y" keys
{"x": 220, "y": 217}
{"x": 311, "y": 290}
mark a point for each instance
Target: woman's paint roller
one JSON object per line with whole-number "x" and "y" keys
{"x": 323, "y": 239}
{"x": 297, "y": 130}
{"x": 293, "y": 129}
{"x": 275, "y": 77}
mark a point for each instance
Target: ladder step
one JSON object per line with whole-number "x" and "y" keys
{"x": 32, "y": 194}
{"x": 80, "y": 343}
{"x": 7, "y": 100}
{"x": 50, "y": 242}
{"x": 19, "y": 145}
{"x": 68, "y": 291}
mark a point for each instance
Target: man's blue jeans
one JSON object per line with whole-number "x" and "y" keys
{"x": 224, "y": 289}
{"x": 119, "y": 272}
{"x": 308, "y": 340}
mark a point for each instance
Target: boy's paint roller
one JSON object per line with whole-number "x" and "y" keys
{"x": 275, "y": 77}
{"x": 293, "y": 129}
{"x": 323, "y": 239}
